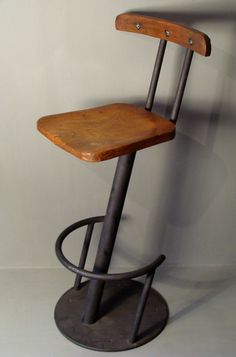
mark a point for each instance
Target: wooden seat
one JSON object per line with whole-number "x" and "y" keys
{"x": 106, "y": 132}
{"x": 113, "y": 130}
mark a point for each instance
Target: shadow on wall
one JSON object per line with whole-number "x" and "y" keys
{"x": 192, "y": 184}
{"x": 191, "y": 166}
{"x": 192, "y": 178}
{"x": 193, "y": 174}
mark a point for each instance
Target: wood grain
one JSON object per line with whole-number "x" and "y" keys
{"x": 165, "y": 29}
{"x": 106, "y": 132}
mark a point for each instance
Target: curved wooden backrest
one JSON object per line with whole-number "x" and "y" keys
{"x": 165, "y": 29}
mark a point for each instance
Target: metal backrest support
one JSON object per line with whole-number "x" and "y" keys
{"x": 191, "y": 39}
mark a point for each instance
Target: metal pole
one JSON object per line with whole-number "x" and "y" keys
{"x": 155, "y": 75}
{"x": 181, "y": 85}
{"x": 115, "y": 207}
{"x": 84, "y": 254}
{"x": 108, "y": 235}
{"x": 142, "y": 304}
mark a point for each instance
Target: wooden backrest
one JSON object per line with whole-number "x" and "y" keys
{"x": 164, "y": 29}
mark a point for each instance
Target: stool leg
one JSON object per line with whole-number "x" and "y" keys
{"x": 108, "y": 235}
{"x": 143, "y": 300}
{"x": 84, "y": 254}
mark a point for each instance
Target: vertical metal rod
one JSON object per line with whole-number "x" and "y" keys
{"x": 108, "y": 235}
{"x": 115, "y": 207}
{"x": 142, "y": 304}
{"x": 84, "y": 254}
{"x": 181, "y": 85}
{"x": 155, "y": 75}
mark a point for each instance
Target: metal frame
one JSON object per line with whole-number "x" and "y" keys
{"x": 120, "y": 186}
{"x": 181, "y": 85}
{"x": 155, "y": 75}
{"x": 108, "y": 235}
{"x": 148, "y": 270}
{"x": 115, "y": 206}
{"x": 111, "y": 223}
{"x": 80, "y": 271}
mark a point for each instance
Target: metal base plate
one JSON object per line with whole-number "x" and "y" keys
{"x": 112, "y": 330}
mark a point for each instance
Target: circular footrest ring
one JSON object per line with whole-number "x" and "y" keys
{"x": 99, "y": 276}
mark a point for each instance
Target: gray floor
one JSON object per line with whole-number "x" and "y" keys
{"x": 202, "y": 314}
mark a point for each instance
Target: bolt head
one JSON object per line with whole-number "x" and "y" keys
{"x": 190, "y": 41}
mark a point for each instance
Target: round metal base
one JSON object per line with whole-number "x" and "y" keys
{"x": 112, "y": 330}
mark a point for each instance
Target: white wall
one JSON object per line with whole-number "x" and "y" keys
{"x": 60, "y": 55}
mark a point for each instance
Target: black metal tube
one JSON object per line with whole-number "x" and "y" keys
{"x": 99, "y": 276}
{"x": 142, "y": 304}
{"x": 84, "y": 254}
{"x": 155, "y": 75}
{"x": 181, "y": 85}
{"x": 115, "y": 206}
{"x": 108, "y": 235}
{"x": 73, "y": 227}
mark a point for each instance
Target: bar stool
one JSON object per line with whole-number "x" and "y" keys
{"x": 109, "y": 312}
